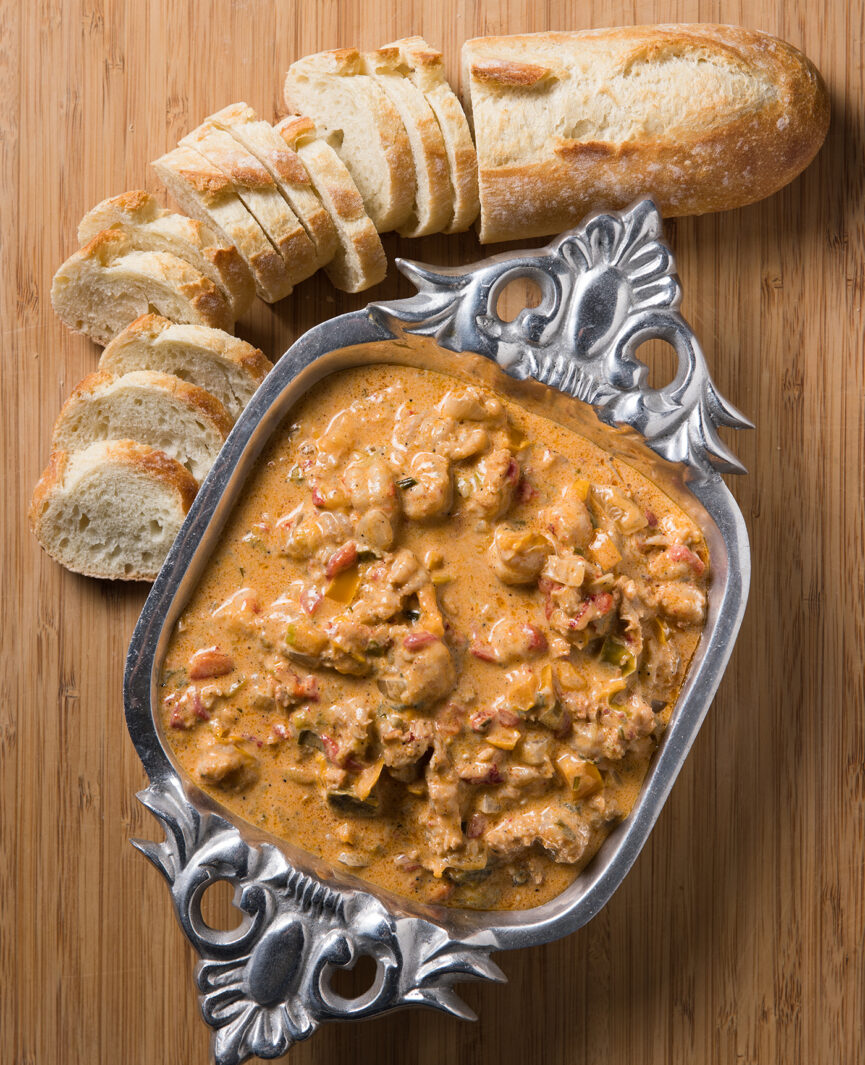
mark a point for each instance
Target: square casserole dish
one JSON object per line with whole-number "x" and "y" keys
{"x": 606, "y": 287}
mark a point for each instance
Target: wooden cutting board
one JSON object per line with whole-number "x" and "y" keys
{"x": 738, "y": 937}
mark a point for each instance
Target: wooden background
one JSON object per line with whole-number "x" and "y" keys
{"x": 738, "y": 937}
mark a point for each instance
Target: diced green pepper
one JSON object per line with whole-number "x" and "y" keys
{"x": 616, "y": 654}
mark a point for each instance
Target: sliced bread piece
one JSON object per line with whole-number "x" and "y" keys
{"x": 256, "y": 187}
{"x": 223, "y": 365}
{"x": 434, "y": 201}
{"x": 158, "y": 409}
{"x": 354, "y": 114}
{"x": 112, "y": 510}
{"x": 151, "y": 227}
{"x": 105, "y": 285}
{"x": 423, "y": 66}
{"x": 360, "y": 261}
{"x": 204, "y": 191}
{"x": 286, "y": 169}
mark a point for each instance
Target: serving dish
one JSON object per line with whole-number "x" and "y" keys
{"x": 606, "y": 287}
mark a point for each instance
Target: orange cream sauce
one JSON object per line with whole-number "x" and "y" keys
{"x": 438, "y": 642}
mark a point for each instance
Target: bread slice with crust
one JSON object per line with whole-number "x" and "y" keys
{"x": 286, "y": 169}
{"x": 360, "y": 261}
{"x": 105, "y": 285}
{"x": 151, "y": 227}
{"x": 354, "y": 114}
{"x": 157, "y": 409}
{"x": 433, "y": 204}
{"x": 203, "y": 191}
{"x": 228, "y": 368}
{"x": 422, "y": 65}
{"x": 112, "y": 510}
{"x": 258, "y": 191}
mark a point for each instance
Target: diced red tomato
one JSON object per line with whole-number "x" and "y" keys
{"x": 416, "y": 640}
{"x": 343, "y": 558}
{"x": 680, "y": 553}
{"x": 475, "y": 827}
{"x": 310, "y": 598}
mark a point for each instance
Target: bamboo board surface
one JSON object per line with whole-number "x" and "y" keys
{"x": 738, "y": 936}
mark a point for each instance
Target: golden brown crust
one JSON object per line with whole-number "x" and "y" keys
{"x": 258, "y": 190}
{"x": 422, "y": 53}
{"x": 149, "y": 327}
{"x": 715, "y": 165}
{"x": 504, "y": 72}
{"x": 434, "y": 196}
{"x": 294, "y": 127}
{"x": 51, "y": 476}
{"x": 159, "y": 465}
{"x": 134, "y": 200}
{"x": 105, "y": 246}
{"x": 150, "y": 227}
{"x": 239, "y": 167}
{"x": 194, "y": 169}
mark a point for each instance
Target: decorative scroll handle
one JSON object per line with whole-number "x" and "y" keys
{"x": 266, "y": 984}
{"x": 607, "y": 287}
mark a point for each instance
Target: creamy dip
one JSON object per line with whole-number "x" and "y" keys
{"x": 438, "y": 642}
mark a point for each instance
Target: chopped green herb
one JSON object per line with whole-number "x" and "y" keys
{"x": 406, "y": 482}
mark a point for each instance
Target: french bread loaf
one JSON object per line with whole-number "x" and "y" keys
{"x": 360, "y": 261}
{"x": 150, "y": 227}
{"x": 287, "y": 170}
{"x": 157, "y": 409}
{"x": 105, "y": 285}
{"x": 700, "y": 117}
{"x": 112, "y": 510}
{"x": 225, "y": 366}
{"x": 354, "y": 114}
{"x": 433, "y": 202}
{"x": 204, "y": 191}
{"x": 423, "y": 66}
{"x": 258, "y": 191}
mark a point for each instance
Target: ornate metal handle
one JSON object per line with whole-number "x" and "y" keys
{"x": 607, "y": 287}
{"x": 266, "y": 984}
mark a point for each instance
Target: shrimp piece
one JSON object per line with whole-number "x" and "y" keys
{"x": 469, "y": 405}
{"x": 309, "y": 530}
{"x": 509, "y": 641}
{"x": 568, "y": 519}
{"x": 239, "y": 610}
{"x": 420, "y": 672}
{"x": 225, "y": 766}
{"x": 369, "y": 484}
{"x": 676, "y": 563}
{"x": 517, "y": 557}
{"x": 387, "y": 585}
{"x": 498, "y": 475}
{"x": 563, "y": 834}
{"x": 338, "y": 439}
{"x": 431, "y": 495}
{"x": 680, "y": 602}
